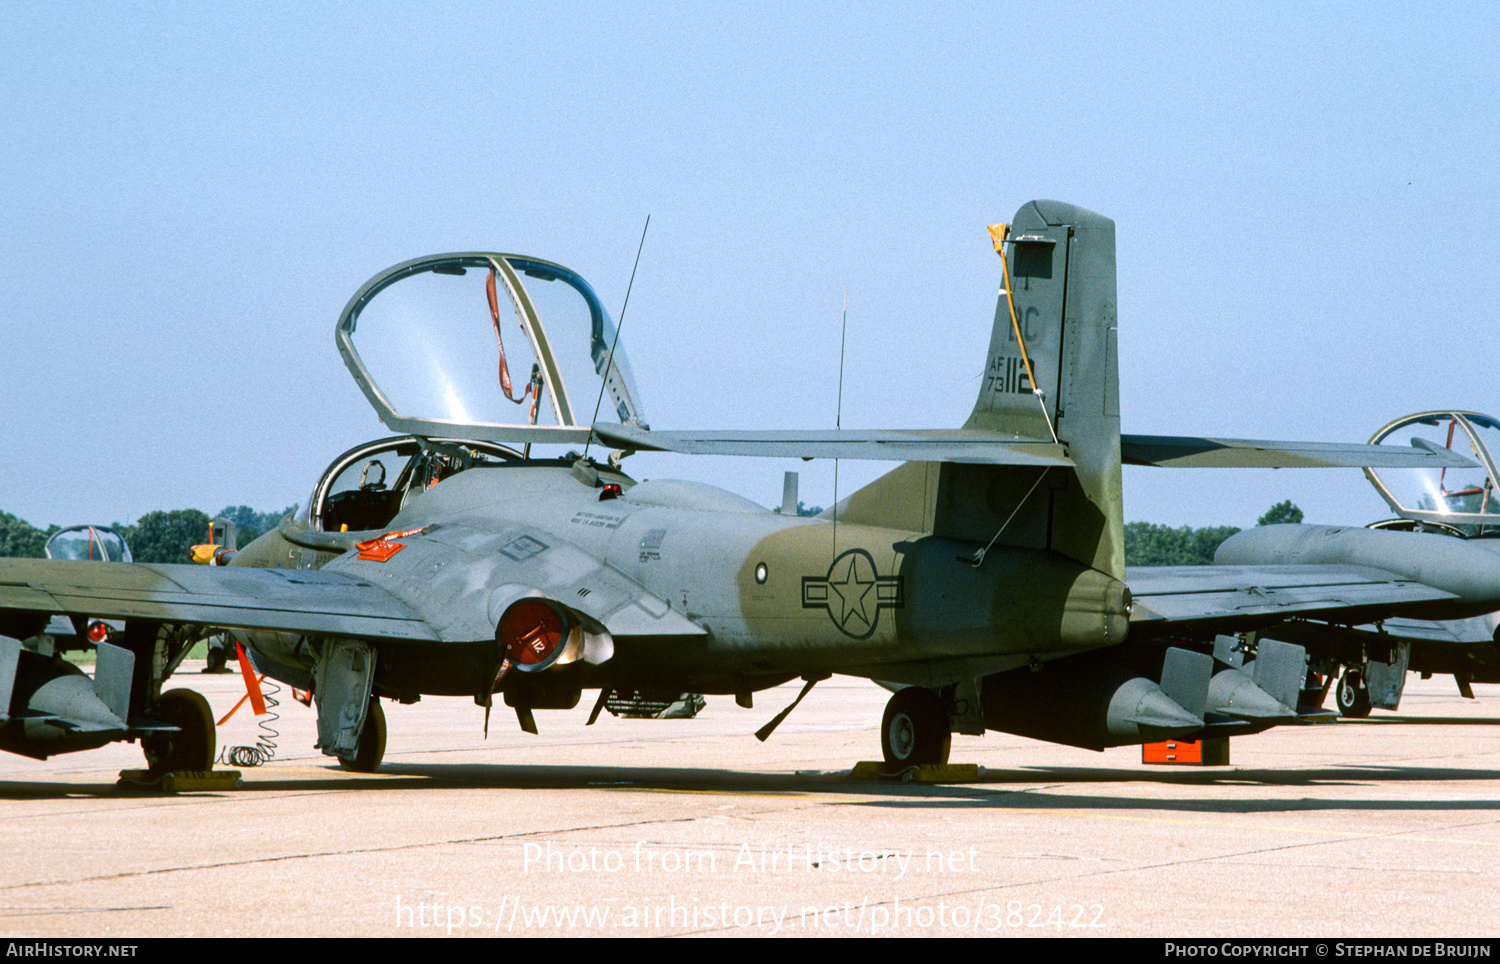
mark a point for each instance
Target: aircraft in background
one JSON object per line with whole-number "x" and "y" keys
{"x": 96, "y": 543}
{"x": 983, "y": 579}
{"x": 1454, "y": 501}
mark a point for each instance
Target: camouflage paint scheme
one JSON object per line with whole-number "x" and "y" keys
{"x": 983, "y": 579}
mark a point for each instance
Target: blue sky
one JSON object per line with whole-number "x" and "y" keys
{"x": 1305, "y": 198}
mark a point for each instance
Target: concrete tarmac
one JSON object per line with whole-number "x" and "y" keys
{"x": 1376, "y": 828}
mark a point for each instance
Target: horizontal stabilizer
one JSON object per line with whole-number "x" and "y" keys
{"x": 1191, "y": 452}
{"x": 892, "y": 445}
{"x": 988, "y": 448}
{"x": 437, "y": 428}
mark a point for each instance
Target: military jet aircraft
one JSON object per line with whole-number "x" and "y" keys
{"x": 983, "y": 579}
{"x": 1461, "y": 503}
{"x": 100, "y": 543}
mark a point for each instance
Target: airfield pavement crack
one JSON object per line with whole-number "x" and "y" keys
{"x": 1136, "y": 868}
{"x": 17, "y": 912}
{"x": 160, "y": 800}
{"x": 1329, "y": 837}
{"x": 125, "y": 875}
{"x": 694, "y": 818}
{"x": 1332, "y": 837}
{"x": 1219, "y": 825}
{"x": 157, "y": 800}
{"x": 582, "y": 742}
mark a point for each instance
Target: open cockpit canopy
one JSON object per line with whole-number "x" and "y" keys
{"x": 1461, "y": 499}
{"x": 95, "y": 543}
{"x": 492, "y": 347}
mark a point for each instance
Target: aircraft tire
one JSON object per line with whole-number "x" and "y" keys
{"x": 192, "y": 746}
{"x": 1352, "y": 696}
{"x": 217, "y": 659}
{"x": 371, "y": 750}
{"x": 915, "y": 729}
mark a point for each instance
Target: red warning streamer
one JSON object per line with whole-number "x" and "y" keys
{"x": 489, "y": 289}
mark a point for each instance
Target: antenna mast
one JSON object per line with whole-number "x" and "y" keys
{"x": 838, "y": 422}
{"x": 609, "y": 361}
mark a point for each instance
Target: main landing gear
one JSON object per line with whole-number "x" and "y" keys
{"x": 192, "y": 746}
{"x": 371, "y": 749}
{"x": 1352, "y": 696}
{"x": 915, "y": 729}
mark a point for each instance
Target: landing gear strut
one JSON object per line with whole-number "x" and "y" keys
{"x": 1352, "y": 696}
{"x": 371, "y": 750}
{"x": 192, "y": 746}
{"x": 915, "y": 729}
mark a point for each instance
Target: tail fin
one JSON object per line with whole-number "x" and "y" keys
{"x": 1060, "y": 261}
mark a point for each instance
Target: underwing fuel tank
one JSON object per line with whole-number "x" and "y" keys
{"x": 1470, "y": 570}
{"x": 1096, "y": 700}
{"x": 1236, "y": 696}
{"x": 1261, "y": 692}
{"x": 48, "y": 706}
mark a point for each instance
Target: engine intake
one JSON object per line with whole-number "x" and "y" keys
{"x": 535, "y": 634}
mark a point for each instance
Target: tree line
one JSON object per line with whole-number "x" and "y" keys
{"x": 169, "y": 536}
{"x": 1148, "y": 544}
{"x": 160, "y": 536}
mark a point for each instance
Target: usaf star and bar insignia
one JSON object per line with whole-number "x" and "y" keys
{"x": 854, "y": 592}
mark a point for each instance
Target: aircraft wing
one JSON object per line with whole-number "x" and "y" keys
{"x": 1247, "y": 596}
{"x": 1191, "y": 452}
{"x": 1477, "y": 630}
{"x": 304, "y": 601}
{"x": 914, "y": 445}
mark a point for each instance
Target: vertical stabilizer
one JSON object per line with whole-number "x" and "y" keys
{"x": 1060, "y": 265}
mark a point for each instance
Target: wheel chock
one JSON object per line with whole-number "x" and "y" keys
{"x": 187, "y": 781}
{"x": 926, "y": 773}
